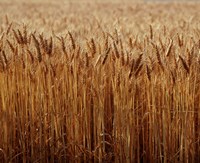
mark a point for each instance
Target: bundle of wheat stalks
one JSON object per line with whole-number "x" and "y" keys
{"x": 115, "y": 96}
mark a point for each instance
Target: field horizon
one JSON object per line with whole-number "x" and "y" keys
{"x": 99, "y": 81}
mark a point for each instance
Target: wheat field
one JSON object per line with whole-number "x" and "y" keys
{"x": 99, "y": 81}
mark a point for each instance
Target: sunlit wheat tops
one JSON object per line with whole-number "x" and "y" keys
{"x": 99, "y": 82}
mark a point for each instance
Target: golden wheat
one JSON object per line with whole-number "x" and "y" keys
{"x": 121, "y": 86}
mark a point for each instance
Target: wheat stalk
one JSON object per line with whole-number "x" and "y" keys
{"x": 11, "y": 46}
{"x": 151, "y": 32}
{"x": 37, "y": 45}
{"x": 9, "y": 28}
{"x": 184, "y": 64}
{"x": 72, "y": 40}
{"x": 93, "y": 47}
{"x": 116, "y": 50}
{"x": 169, "y": 48}
{"x": 138, "y": 61}
{"x": 148, "y": 72}
{"x": 159, "y": 58}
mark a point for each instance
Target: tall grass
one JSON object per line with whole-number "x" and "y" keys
{"x": 111, "y": 97}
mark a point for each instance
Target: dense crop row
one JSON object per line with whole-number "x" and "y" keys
{"x": 97, "y": 94}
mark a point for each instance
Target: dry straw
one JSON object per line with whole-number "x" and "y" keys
{"x": 119, "y": 90}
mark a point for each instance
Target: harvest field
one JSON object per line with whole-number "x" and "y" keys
{"x": 85, "y": 81}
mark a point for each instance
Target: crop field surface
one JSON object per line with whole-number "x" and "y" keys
{"x": 99, "y": 81}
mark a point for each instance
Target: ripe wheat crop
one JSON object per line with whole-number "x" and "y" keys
{"x": 99, "y": 82}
